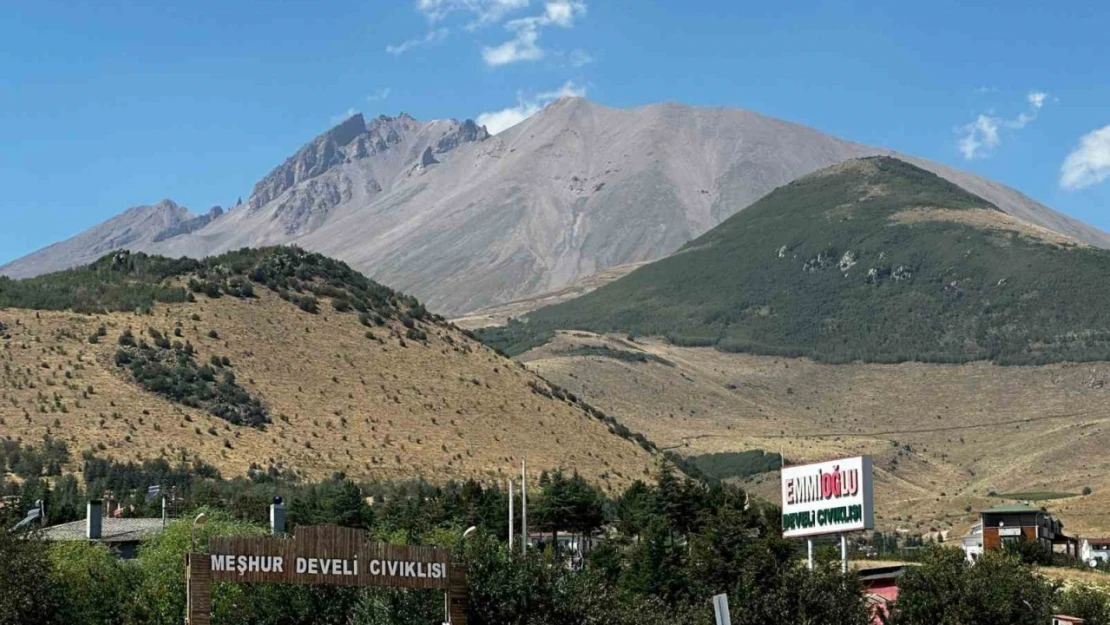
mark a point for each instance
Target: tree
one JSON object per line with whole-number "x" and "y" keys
{"x": 26, "y": 590}
{"x": 94, "y": 587}
{"x": 1090, "y": 603}
{"x": 947, "y": 590}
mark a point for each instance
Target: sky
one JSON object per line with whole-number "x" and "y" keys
{"x": 108, "y": 105}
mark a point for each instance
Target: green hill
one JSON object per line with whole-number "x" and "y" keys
{"x": 872, "y": 260}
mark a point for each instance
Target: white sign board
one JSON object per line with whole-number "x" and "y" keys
{"x": 1009, "y": 531}
{"x": 828, "y": 498}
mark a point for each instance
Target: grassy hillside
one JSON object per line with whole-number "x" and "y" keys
{"x": 280, "y": 360}
{"x": 872, "y": 260}
{"x": 948, "y": 439}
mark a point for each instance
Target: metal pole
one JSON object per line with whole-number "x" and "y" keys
{"x": 163, "y": 511}
{"x": 843, "y": 553}
{"x": 511, "y": 497}
{"x": 809, "y": 543}
{"x": 523, "y": 505}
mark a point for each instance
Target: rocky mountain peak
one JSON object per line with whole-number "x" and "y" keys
{"x": 466, "y": 132}
{"x": 313, "y": 159}
{"x": 347, "y": 130}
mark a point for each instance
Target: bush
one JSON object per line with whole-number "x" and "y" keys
{"x": 309, "y": 304}
{"x": 1087, "y": 491}
{"x": 172, "y": 371}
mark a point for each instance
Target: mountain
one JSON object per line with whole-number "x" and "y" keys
{"x": 136, "y": 228}
{"x": 464, "y": 220}
{"x": 285, "y": 360}
{"x": 871, "y": 260}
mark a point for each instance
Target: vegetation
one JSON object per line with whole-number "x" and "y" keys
{"x": 125, "y": 281}
{"x": 669, "y": 546}
{"x": 820, "y": 268}
{"x": 1039, "y": 495}
{"x": 171, "y": 370}
{"x": 732, "y": 464}
{"x": 604, "y": 351}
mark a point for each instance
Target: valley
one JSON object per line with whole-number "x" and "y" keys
{"x": 943, "y": 437}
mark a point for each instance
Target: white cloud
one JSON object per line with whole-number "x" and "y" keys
{"x": 379, "y": 95}
{"x": 496, "y": 121}
{"x": 578, "y": 58}
{"x": 1088, "y": 164}
{"x": 351, "y": 112}
{"x": 484, "y": 11}
{"x": 435, "y": 34}
{"x": 981, "y": 137}
{"x": 523, "y": 46}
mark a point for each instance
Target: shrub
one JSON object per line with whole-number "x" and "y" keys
{"x": 1087, "y": 491}
{"x": 309, "y": 304}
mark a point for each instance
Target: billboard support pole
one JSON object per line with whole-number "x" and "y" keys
{"x": 843, "y": 553}
{"x": 809, "y": 560}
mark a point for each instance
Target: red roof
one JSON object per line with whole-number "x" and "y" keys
{"x": 1098, "y": 541}
{"x": 1067, "y": 619}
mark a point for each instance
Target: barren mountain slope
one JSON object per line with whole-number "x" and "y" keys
{"x": 943, "y": 436}
{"x": 377, "y": 401}
{"x": 465, "y": 221}
{"x": 135, "y": 228}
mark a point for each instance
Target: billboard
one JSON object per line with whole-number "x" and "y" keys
{"x": 827, "y": 498}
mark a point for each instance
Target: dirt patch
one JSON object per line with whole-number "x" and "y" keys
{"x": 985, "y": 219}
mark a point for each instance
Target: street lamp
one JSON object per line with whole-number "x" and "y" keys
{"x": 201, "y": 519}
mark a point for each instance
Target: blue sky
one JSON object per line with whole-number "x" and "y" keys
{"x": 109, "y": 104}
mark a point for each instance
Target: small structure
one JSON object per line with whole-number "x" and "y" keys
{"x": 972, "y": 542}
{"x": 880, "y": 588}
{"x": 1024, "y": 523}
{"x": 121, "y": 535}
{"x": 1060, "y": 619}
{"x": 1095, "y": 550}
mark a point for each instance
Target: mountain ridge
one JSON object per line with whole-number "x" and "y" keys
{"x": 872, "y": 260}
{"x": 573, "y": 190}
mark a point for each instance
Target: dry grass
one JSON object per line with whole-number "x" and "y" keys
{"x": 985, "y": 219}
{"x": 942, "y": 436}
{"x": 450, "y": 408}
{"x": 502, "y": 313}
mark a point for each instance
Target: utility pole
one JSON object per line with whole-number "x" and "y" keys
{"x": 511, "y": 496}
{"x": 523, "y": 505}
{"x": 163, "y": 510}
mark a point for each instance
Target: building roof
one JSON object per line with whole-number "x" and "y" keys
{"x": 111, "y": 530}
{"x": 881, "y": 572}
{"x": 1098, "y": 541}
{"x": 1012, "y": 508}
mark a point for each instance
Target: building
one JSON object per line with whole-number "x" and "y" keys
{"x": 880, "y": 588}
{"x": 972, "y": 542}
{"x": 1023, "y": 523}
{"x": 121, "y": 535}
{"x": 1060, "y": 619}
{"x": 1095, "y": 551}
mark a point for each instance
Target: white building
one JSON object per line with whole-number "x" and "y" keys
{"x": 1095, "y": 550}
{"x": 972, "y": 542}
